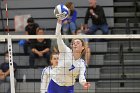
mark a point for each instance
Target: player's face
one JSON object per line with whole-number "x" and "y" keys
{"x": 54, "y": 60}
{"x": 77, "y": 46}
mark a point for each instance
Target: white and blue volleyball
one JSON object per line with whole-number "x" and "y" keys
{"x": 61, "y": 12}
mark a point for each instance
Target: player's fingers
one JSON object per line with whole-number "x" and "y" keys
{"x": 87, "y": 85}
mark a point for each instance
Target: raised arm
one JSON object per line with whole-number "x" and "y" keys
{"x": 61, "y": 45}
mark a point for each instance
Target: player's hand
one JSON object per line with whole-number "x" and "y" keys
{"x": 86, "y": 85}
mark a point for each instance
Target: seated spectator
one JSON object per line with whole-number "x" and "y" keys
{"x": 5, "y": 71}
{"x": 30, "y": 29}
{"x": 46, "y": 73}
{"x": 69, "y": 24}
{"x": 96, "y": 13}
{"x": 87, "y": 52}
{"x": 40, "y": 48}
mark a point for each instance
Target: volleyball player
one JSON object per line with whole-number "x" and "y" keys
{"x": 46, "y": 73}
{"x": 70, "y": 65}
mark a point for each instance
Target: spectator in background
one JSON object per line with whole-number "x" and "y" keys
{"x": 96, "y": 13}
{"x": 46, "y": 73}
{"x": 5, "y": 71}
{"x": 87, "y": 52}
{"x": 30, "y": 29}
{"x": 40, "y": 48}
{"x": 69, "y": 24}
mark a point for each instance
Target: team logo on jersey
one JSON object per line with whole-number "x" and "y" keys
{"x": 72, "y": 67}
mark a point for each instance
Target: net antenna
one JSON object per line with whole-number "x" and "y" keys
{"x": 9, "y": 40}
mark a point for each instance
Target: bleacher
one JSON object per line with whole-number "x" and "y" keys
{"x": 105, "y": 69}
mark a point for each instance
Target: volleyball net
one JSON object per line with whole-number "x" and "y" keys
{"x": 113, "y": 63}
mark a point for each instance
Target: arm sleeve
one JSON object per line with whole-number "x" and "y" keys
{"x": 61, "y": 45}
{"x": 87, "y": 16}
{"x": 44, "y": 82}
{"x": 82, "y": 78}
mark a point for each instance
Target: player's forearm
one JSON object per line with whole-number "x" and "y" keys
{"x": 44, "y": 82}
{"x": 43, "y": 87}
{"x": 58, "y": 28}
{"x": 42, "y": 91}
{"x": 60, "y": 42}
{"x": 82, "y": 79}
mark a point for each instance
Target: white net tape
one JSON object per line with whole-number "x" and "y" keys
{"x": 130, "y": 36}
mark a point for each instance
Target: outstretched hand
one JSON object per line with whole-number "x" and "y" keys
{"x": 86, "y": 85}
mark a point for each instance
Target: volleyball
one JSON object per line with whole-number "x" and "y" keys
{"x": 61, "y": 12}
